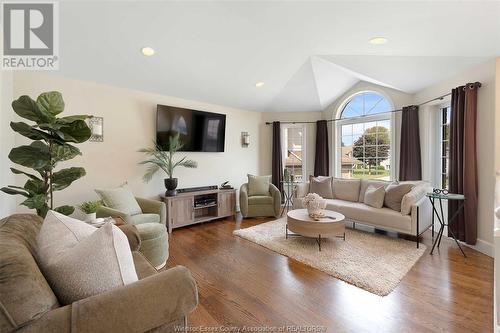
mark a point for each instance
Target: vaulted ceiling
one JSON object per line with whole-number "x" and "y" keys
{"x": 306, "y": 53}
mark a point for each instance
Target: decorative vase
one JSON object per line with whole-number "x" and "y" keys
{"x": 314, "y": 204}
{"x": 89, "y": 217}
{"x": 171, "y": 185}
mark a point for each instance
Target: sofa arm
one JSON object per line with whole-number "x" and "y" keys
{"x": 104, "y": 211}
{"x": 149, "y": 206}
{"x": 244, "y": 200}
{"x": 138, "y": 307}
{"x": 276, "y": 194}
{"x": 421, "y": 214}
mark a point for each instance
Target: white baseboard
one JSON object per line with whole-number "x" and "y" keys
{"x": 483, "y": 247}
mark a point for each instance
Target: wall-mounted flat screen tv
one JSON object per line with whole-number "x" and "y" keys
{"x": 199, "y": 130}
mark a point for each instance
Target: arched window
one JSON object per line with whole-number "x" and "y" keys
{"x": 364, "y": 137}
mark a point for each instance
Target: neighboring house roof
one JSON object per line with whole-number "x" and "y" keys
{"x": 294, "y": 158}
{"x": 347, "y": 158}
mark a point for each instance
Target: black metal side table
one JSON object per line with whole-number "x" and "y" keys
{"x": 440, "y": 215}
{"x": 288, "y": 193}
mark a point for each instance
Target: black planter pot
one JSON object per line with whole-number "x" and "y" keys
{"x": 171, "y": 185}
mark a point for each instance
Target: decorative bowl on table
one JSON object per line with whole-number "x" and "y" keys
{"x": 314, "y": 204}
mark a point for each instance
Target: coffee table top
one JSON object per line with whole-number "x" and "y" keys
{"x": 302, "y": 215}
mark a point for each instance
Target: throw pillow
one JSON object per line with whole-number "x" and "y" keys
{"x": 412, "y": 197}
{"x": 258, "y": 185}
{"x": 321, "y": 186}
{"x": 346, "y": 189}
{"x": 394, "y": 195}
{"x": 374, "y": 196}
{"x": 121, "y": 199}
{"x": 80, "y": 261}
{"x": 367, "y": 182}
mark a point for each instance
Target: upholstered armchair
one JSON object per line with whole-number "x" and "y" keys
{"x": 148, "y": 216}
{"x": 260, "y": 205}
{"x": 152, "y": 212}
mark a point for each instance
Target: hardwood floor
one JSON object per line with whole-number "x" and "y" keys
{"x": 243, "y": 284}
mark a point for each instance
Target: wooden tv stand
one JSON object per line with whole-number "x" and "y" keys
{"x": 186, "y": 208}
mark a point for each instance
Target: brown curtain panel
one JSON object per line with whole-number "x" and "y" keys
{"x": 410, "y": 165}
{"x": 463, "y": 163}
{"x": 277, "y": 161}
{"x": 321, "y": 158}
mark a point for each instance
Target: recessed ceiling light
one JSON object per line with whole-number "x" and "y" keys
{"x": 148, "y": 51}
{"x": 259, "y": 84}
{"x": 378, "y": 40}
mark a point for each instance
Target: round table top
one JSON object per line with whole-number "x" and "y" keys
{"x": 302, "y": 215}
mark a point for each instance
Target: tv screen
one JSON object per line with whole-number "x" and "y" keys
{"x": 199, "y": 130}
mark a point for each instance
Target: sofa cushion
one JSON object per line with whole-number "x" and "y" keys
{"x": 25, "y": 295}
{"x": 346, "y": 189}
{"x": 143, "y": 218}
{"x": 258, "y": 185}
{"x": 321, "y": 186}
{"x": 374, "y": 196}
{"x": 80, "y": 261}
{"x": 367, "y": 182}
{"x": 412, "y": 197}
{"x": 394, "y": 194}
{"x": 377, "y": 217}
{"x": 260, "y": 200}
{"x": 121, "y": 199}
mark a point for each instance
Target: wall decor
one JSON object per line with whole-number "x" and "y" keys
{"x": 96, "y": 125}
{"x": 245, "y": 139}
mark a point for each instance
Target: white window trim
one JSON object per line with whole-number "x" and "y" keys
{"x": 439, "y": 150}
{"x": 376, "y": 117}
{"x": 284, "y": 144}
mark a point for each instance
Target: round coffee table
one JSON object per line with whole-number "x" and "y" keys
{"x": 300, "y": 223}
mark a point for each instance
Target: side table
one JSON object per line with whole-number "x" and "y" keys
{"x": 288, "y": 193}
{"x": 440, "y": 215}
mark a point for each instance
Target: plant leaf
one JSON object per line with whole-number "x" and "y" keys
{"x": 19, "y": 172}
{"x": 63, "y": 178}
{"x": 30, "y": 132}
{"x": 150, "y": 171}
{"x": 35, "y": 187}
{"x": 35, "y": 156}
{"x": 50, "y": 102}
{"x": 13, "y": 191}
{"x": 27, "y": 108}
{"x": 64, "y": 152}
{"x": 71, "y": 119}
{"x": 65, "y": 210}
{"x": 77, "y": 131}
{"x": 36, "y": 201}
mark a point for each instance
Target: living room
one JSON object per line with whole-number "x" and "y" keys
{"x": 299, "y": 93}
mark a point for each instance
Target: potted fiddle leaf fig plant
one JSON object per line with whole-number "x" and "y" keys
{"x": 53, "y": 139}
{"x": 158, "y": 159}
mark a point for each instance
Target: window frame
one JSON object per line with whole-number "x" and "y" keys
{"x": 441, "y": 154}
{"x": 363, "y": 119}
{"x": 284, "y": 145}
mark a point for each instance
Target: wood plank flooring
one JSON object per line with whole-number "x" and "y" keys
{"x": 243, "y": 284}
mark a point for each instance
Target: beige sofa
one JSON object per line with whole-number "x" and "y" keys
{"x": 348, "y": 198}
{"x": 159, "y": 301}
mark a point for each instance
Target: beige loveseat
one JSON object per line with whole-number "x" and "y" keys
{"x": 158, "y": 302}
{"x": 347, "y": 199}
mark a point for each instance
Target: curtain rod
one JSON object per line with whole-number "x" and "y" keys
{"x": 469, "y": 85}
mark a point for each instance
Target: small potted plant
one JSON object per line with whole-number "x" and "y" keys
{"x": 164, "y": 160}
{"x": 90, "y": 209}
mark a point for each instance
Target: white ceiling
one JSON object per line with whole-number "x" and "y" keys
{"x": 307, "y": 53}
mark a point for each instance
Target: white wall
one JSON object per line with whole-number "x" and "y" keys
{"x": 266, "y": 137}
{"x": 485, "y": 74}
{"x": 7, "y": 202}
{"x": 129, "y": 124}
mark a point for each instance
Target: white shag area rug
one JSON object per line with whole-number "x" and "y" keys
{"x": 373, "y": 262}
